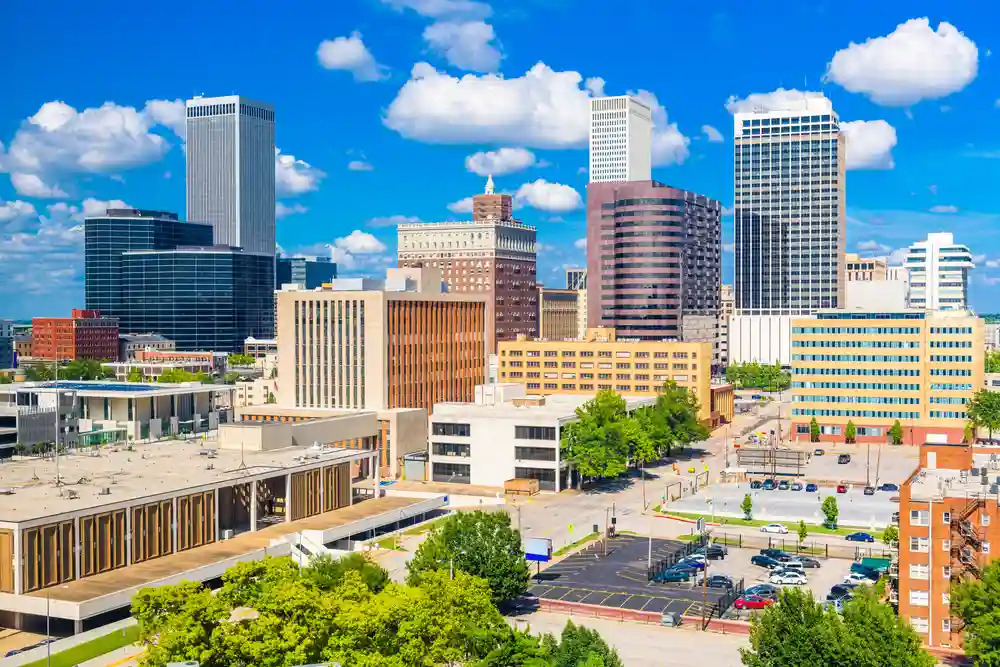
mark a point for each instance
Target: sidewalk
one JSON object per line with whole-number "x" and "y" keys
{"x": 127, "y": 656}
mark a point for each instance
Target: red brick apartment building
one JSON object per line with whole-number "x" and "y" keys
{"x": 949, "y": 517}
{"x": 83, "y": 335}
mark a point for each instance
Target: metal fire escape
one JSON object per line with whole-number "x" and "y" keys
{"x": 966, "y": 541}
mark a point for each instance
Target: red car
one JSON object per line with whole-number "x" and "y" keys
{"x": 841, "y": 488}
{"x": 752, "y": 602}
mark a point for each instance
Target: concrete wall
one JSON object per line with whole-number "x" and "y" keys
{"x": 765, "y": 339}
{"x": 408, "y": 430}
{"x": 267, "y": 435}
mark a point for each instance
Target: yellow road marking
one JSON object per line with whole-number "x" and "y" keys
{"x": 122, "y": 661}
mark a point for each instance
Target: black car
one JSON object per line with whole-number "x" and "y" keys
{"x": 844, "y": 458}
{"x": 869, "y": 490}
{"x": 671, "y": 576}
{"x": 712, "y": 551}
{"x": 808, "y": 561}
{"x": 783, "y": 485}
{"x": 889, "y": 487}
{"x": 755, "y": 484}
{"x": 841, "y": 591}
{"x": 717, "y": 581}
{"x": 764, "y": 561}
{"x": 776, "y": 554}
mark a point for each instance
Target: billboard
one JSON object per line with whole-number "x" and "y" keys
{"x": 538, "y": 549}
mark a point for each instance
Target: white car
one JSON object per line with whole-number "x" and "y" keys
{"x": 774, "y": 528}
{"x": 787, "y": 577}
{"x": 793, "y": 564}
{"x": 855, "y": 578}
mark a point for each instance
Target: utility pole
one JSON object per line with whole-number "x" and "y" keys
{"x": 868, "y": 466}
{"x": 56, "y": 375}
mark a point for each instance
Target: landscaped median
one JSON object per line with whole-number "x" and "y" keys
{"x": 793, "y": 526}
{"x": 74, "y": 655}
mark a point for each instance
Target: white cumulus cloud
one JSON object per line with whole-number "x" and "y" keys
{"x": 711, "y": 133}
{"x": 360, "y": 165}
{"x": 293, "y": 176}
{"x": 93, "y": 207}
{"x": 461, "y": 206}
{"x": 350, "y": 54}
{"x": 943, "y": 208}
{"x": 170, "y": 113}
{"x": 669, "y": 145}
{"x": 360, "y": 243}
{"x": 32, "y": 185}
{"x": 912, "y": 63}
{"x": 776, "y": 100}
{"x": 15, "y": 210}
{"x": 468, "y": 45}
{"x": 869, "y": 144}
{"x": 283, "y": 210}
{"x": 439, "y": 9}
{"x": 580, "y": 244}
{"x": 550, "y": 197}
{"x": 392, "y": 220}
{"x": 500, "y": 162}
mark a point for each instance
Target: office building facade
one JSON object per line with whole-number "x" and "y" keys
{"x": 205, "y": 298}
{"x": 85, "y": 334}
{"x": 920, "y": 368}
{"x": 558, "y": 313}
{"x": 725, "y": 313}
{"x": 576, "y": 279}
{"x": 402, "y": 342}
{"x": 864, "y": 269}
{"x": 789, "y": 218}
{"x": 602, "y": 361}
{"x": 621, "y": 140}
{"x": 230, "y": 170}
{"x": 6, "y": 344}
{"x": 654, "y": 261}
{"x": 939, "y": 273}
{"x": 118, "y": 231}
{"x": 307, "y": 273}
{"x": 489, "y": 255}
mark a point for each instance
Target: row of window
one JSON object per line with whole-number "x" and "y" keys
{"x": 878, "y": 400}
{"x": 951, "y": 343}
{"x": 951, "y": 330}
{"x": 953, "y": 358}
{"x": 878, "y": 372}
{"x": 621, "y": 354}
{"x": 947, "y": 414}
{"x": 858, "y": 358}
{"x": 890, "y": 344}
{"x": 877, "y": 386}
{"x": 856, "y": 330}
{"x": 878, "y": 414}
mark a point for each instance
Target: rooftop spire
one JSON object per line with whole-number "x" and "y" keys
{"x": 489, "y": 184}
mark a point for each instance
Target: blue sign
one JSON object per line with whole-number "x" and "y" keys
{"x": 538, "y": 549}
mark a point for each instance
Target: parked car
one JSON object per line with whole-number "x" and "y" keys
{"x": 774, "y": 528}
{"x": 12, "y": 652}
{"x": 855, "y": 578}
{"x": 792, "y": 564}
{"x": 764, "y": 561}
{"x": 844, "y": 458}
{"x": 671, "y": 576}
{"x": 763, "y": 590}
{"x": 756, "y": 484}
{"x": 888, "y": 487}
{"x": 787, "y": 577}
{"x": 686, "y": 569}
{"x": 796, "y": 486}
{"x": 841, "y": 488}
{"x": 692, "y": 563}
{"x": 869, "y": 572}
{"x": 809, "y": 562}
{"x": 713, "y": 551}
{"x": 768, "y": 485}
{"x": 715, "y": 581}
{"x": 859, "y": 537}
{"x": 819, "y": 452}
{"x": 811, "y": 488}
{"x": 776, "y": 554}
{"x": 869, "y": 490}
{"x": 845, "y": 589}
{"x": 784, "y": 485}
{"x": 752, "y": 602}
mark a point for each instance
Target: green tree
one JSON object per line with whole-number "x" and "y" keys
{"x": 977, "y": 602}
{"x": 517, "y": 649}
{"x": 803, "y": 532}
{"x": 679, "y": 408}
{"x": 813, "y": 430}
{"x": 134, "y": 375}
{"x": 482, "y": 544}
{"x": 830, "y": 511}
{"x": 635, "y": 431}
{"x": 878, "y": 637}
{"x": 992, "y": 359}
{"x": 850, "y": 433}
{"x": 583, "y": 647}
{"x": 327, "y": 573}
{"x": 890, "y": 535}
{"x": 984, "y": 410}
{"x": 274, "y": 372}
{"x": 271, "y": 398}
{"x": 175, "y": 376}
{"x": 6, "y": 378}
{"x": 594, "y": 444}
{"x": 969, "y": 433}
{"x": 896, "y": 433}
{"x": 747, "y": 507}
{"x": 240, "y": 360}
{"x": 231, "y": 378}
{"x": 83, "y": 369}
{"x": 753, "y": 375}
{"x": 40, "y": 373}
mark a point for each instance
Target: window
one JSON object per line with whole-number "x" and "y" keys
{"x": 535, "y": 453}
{"x": 946, "y": 625}
{"x": 440, "y": 428}
{"x": 946, "y": 517}
{"x": 919, "y": 571}
{"x": 919, "y": 624}
{"x": 945, "y": 545}
{"x": 451, "y": 449}
{"x": 946, "y": 598}
{"x": 918, "y": 517}
{"x": 946, "y": 571}
{"x": 984, "y": 519}
{"x": 919, "y": 598}
{"x": 919, "y": 544}
{"x": 535, "y": 432}
{"x": 986, "y": 547}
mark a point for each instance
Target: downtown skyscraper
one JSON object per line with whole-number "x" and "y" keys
{"x": 789, "y": 218}
{"x": 230, "y": 170}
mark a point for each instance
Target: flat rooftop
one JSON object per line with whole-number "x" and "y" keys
{"x": 938, "y": 483}
{"x": 149, "y": 469}
{"x": 113, "y": 389}
{"x": 557, "y": 406}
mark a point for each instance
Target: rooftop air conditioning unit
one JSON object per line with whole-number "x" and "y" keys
{"x": 105, "y": 491}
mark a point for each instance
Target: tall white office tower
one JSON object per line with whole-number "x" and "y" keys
{"x": 789, "y": 224}
{"x": 621, "y": 140}
{"x": 939, "y": 273}
{"x": 230, "y": 170}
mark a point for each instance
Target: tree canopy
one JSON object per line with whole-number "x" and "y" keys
{"x": 179, "y": 375}
{"x": 800, "y": 632}
{"x": 85, "y": 369}
{"x": 482, "y": 544}
{"x": 992, "y": 361}
{"x": 240, "y": 360}
{"x": 753, "y": 375}
{"x": 984, "y": 410}
{"x": 272, "y": 613}
{"x": 977, "y": 603}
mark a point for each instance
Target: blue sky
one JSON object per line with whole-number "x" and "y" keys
{"x": 386, "y": 109}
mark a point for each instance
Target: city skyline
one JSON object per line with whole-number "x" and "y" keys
{"x": 363, "y": 149}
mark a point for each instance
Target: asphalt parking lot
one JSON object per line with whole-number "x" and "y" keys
{"x": 876, "y": 464}
{"x": 618, "y": 580}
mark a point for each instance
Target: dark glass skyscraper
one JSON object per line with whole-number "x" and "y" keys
{"x": 208, "y": 298}
{"x": 107, "y": 236}
{"x": 309, "y": 273}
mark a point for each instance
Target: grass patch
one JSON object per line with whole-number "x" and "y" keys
{"x": 814, "y": 529}
{"x": 92, "y": 649}
{"x": 389, "y": 544}
{"x": 424, "y": 527}
{"x": 579, "y": 543}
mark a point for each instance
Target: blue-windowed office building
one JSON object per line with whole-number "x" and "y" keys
{"x": 308, "y": 273}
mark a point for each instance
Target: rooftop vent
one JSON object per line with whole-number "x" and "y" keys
{"x": 105, "y": 491}
{"x": 70, "y": 494}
